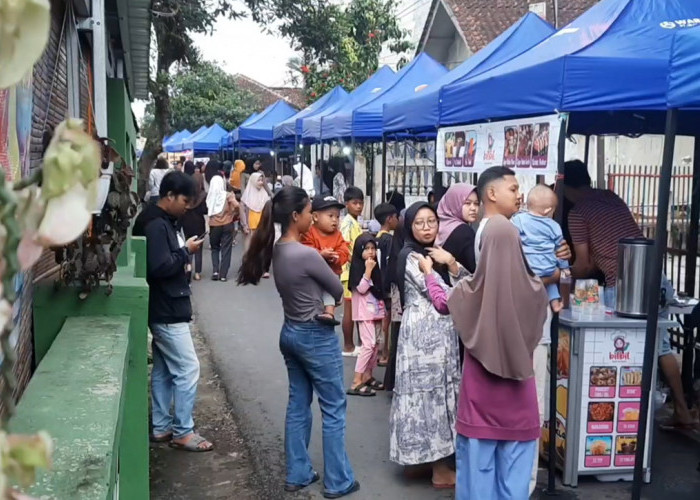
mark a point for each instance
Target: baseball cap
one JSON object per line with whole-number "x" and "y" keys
{"x": 324, "y": 202}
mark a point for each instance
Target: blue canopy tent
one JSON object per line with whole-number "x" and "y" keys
{"x": 416, "y": 77}
{"x": 352, "y": 122}
{"x": 258, "y": 132}
{"x": 179, "y": 145}
{"x": 684, "y": 71}
{"x": 169, "y": 145}
{"x": 418, "y": 115}
{"x": 609, "y": 67}
{"x": 207, "y": 141}
{"x": 313, "y": 126}
{"x": 294, "y": 126}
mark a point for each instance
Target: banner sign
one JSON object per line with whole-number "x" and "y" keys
{"x": 524, "y": 145}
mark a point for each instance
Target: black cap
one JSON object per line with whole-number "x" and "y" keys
{"x": 324, "y": 202}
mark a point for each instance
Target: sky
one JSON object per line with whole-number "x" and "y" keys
{"x": 241, "y": 46}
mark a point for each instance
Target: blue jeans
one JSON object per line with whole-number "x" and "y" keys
{"x": 314, "y": 363}
{"x": 173, "y": 379}
{"x": 493, "y": 470}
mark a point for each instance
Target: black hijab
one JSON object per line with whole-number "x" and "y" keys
{"x": 357, "y": 266}
{"x": 396, "y": 199}
{"x": 412, "y": 245}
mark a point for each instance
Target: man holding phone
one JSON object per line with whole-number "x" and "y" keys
{"x": 175, "y": 365}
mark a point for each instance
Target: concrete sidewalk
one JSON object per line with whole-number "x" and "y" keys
{"x": 241, "y": 327}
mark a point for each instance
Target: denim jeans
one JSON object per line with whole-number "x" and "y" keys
{"x": 312, "y": 354}
{"x": 173, "y": 379}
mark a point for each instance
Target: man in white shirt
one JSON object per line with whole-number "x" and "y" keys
{"x": 499, "y": 193}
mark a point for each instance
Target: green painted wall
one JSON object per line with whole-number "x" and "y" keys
{"x": 121, "y": 125}
{"x": 130, "y": 296}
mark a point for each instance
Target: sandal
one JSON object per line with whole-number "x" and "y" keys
{"x": 193, "y": 444}
{"x": 375, "y": 384}
{"x": 361, "y": 390}
{"x": 326, "y": 319}
{"x": 162, "y": 438}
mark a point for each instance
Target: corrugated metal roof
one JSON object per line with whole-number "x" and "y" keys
{"x": 136, "y": 40}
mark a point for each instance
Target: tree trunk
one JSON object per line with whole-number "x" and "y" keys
{"x": 161, "y": 99}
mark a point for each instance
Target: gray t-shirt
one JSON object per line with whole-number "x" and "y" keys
{"x": 301, "y": 277}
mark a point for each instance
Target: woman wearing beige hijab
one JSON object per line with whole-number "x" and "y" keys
{"x": 499, "y": 313}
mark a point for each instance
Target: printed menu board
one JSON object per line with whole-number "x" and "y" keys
{"x": 612, "y": 379}
{"x": 528, "y": 144}
{"x": 562, "y": 401}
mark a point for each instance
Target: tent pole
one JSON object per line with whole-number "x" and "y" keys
{"x": 692, "y": 243}
{"x": 383, "y": 197}
{"x": 370, "y": 171}
{"x": 352, "y": 159}
{"x": 587, "y": 149}
{"x": 554, "y": 330}
{"x": 653, "y": 300}
{"x": 691, "y": 271}
{"x": 301, "y": 160}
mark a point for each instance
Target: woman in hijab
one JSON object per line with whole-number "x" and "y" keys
{"x": 499, "y": 313}
{"x": 459, "y": 208}
{"x": 424, "y": 407}
{"x": 222, "y": 207}
{"x": 193, "y": 222}
{"x": 253, "y": 200}
{"x": 236, "y": 180}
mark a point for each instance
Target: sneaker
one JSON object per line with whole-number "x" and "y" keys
{"x": 215, "y": 277}
{"x": 352, "y": 489}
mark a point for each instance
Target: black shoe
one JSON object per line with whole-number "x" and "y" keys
{"x": 223, "y": 279}
{"x": 326, "y": 320}
{"x": 291, "y": 488}
{"x": 352, "y": 489}
{"x": 215, "y": 277}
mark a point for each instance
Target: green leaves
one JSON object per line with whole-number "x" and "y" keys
{"x": 340, "y": 45}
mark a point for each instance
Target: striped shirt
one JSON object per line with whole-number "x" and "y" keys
{"x": 601, "y": 221}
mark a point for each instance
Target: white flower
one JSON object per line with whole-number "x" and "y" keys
{"x": 24, "y": 31}
{"x": 67, "y": 216}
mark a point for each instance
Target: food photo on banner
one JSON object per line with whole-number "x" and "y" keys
{"x": 522, "y": 145}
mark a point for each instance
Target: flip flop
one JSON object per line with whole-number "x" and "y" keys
{"x": 192, "y": 445}
{"x": 326, "y": 320}
{"x": 443, "y": 486}
{"x": 358, "y": 391}
{"x": 163, "y": 438}
{"x": 375, "y": 384}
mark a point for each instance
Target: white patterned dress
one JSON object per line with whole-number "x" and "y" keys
{"x": 424, "y": 406}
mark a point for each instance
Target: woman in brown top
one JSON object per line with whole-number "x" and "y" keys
{"x": 222, "y": 207}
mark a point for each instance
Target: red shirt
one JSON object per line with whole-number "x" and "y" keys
{"x": 315, "y": 239}
{"x": 601, "y": 221}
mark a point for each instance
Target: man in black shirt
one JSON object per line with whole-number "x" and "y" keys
{"x": 175, "y": 365}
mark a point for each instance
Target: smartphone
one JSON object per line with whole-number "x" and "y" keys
{"x": 203, "y": 235}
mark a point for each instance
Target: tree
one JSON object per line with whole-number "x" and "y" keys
{"x": 201, "y": 96}
{"x": 338, "y": 45}
{"x": 173, "y": 22}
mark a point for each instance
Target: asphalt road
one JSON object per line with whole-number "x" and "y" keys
{"x": 241, "y": 326}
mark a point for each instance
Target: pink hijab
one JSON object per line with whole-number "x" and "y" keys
{"x": 449, "y": 210}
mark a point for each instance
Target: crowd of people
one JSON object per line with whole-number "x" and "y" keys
{"x": 455, "y": 300}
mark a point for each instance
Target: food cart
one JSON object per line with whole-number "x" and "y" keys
{"x": 599, "y": 389}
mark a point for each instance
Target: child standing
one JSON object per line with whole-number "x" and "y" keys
{"x": 541, "y": 236}
{"x": 388, "y": 217}
{"x": 351, "y": 229}
{"x": 325, "y": 237}
{"x": 368, "y": 311}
